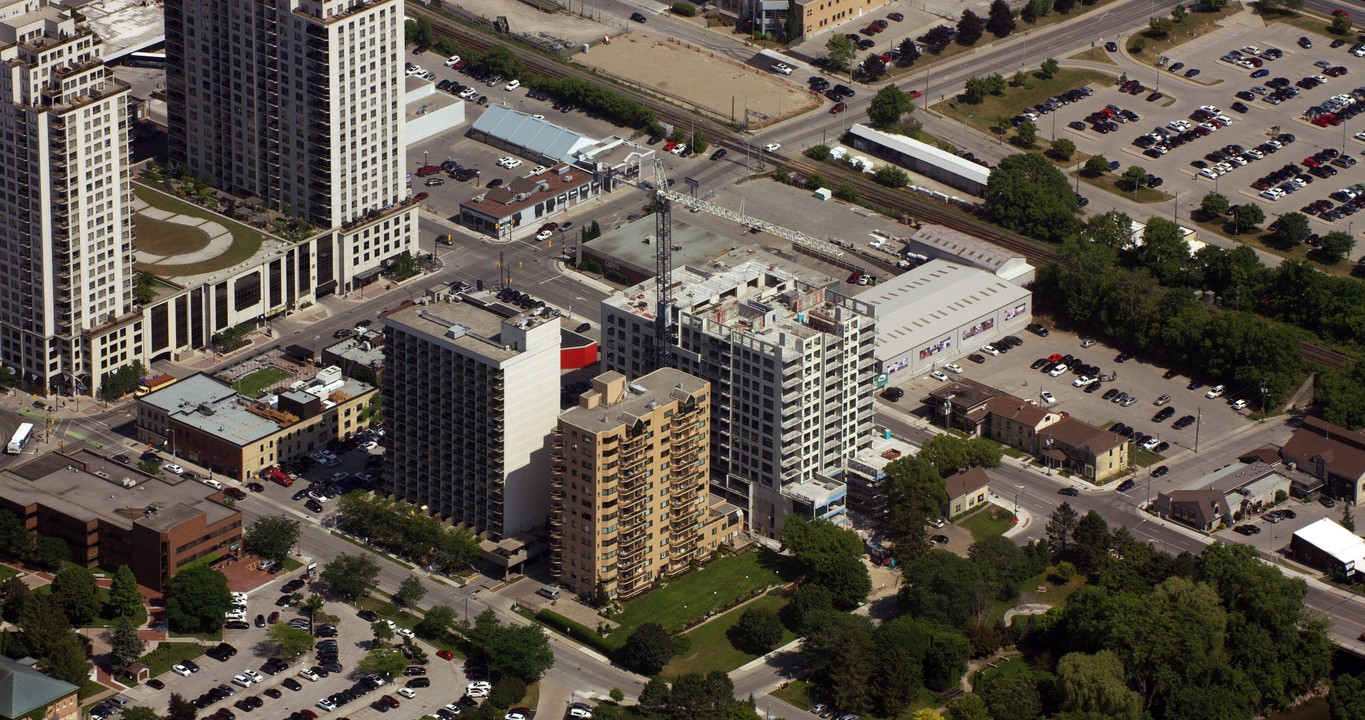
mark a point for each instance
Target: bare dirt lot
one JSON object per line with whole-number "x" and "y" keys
{"x": 523, "y": 19}
{"x": 718, "y": 86}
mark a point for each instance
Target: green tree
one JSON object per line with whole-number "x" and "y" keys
{"x": 655, "y": 697}
{"x": 915, "y": 494}
{"x": 1003, "y": 564}
{"x": 1214, "y": 206}
{"x": 1290, "y": 230}
{"x": 1063, "y": 149}
{"x": 519, "y": 650}
{"x": 706, "y": 697}
{"x": 196, "y": 599}
{"x": 1095, "y": 684}
{"x": 1090, "y": 541}
{"x": 648, "y": 649}
{"x": 410, "y": 591}
{"x": 891, "y": 176}
{"x": 888, "y": 106}
{"x": 1160, "y": 27}
{"x": 945, "y": 661}
{"x": 975, "y": 90}
{"x": 817, "y": 152}
{"x": 44, "y": 626}
{"x": 287, "y": 641}
{"x": 943, "y": 588}
{"x": 124, "y": 598}
{"x": 839, "y": 52}
{"x": 50, "y": 553}
{"x": 436, "y": 622}
{"x": 847, "y": 192}
{"x": 970, "y": 28}
{"x": 500, "y": 60}
{"x": 1336, "y": 246}
{"x": 1347, "y": 698}
{"x": 1029, "y": 195}
{"x": 873, "y": 67}
{"x": 1179, "y": 15}
{"x": 67, "y": 660}
{"x": 1026, "y": 134}
{"x": 1036, "y": 10}
{"x": 1095, "y": 166}
{"x": 75, "y": 592}
{"x": 1013, "y": 698}
{"x": 1348, "y": 521}
{"x": 899, "y": 645}
{"x": 1000, "y": 20}
{"x": 938, "y": 38}
{"x": 1135, "y": 176}
{"x": 1061, "y": 527}
{"x": 14, "y": 595}
{"x": 14, "y": 538}
{"x": 699, "y": 144}
{"x": 144, "y": 288}
{"x": 272, "y": 537}
{"x": 838, "y": 655}
{"x": 969, "y": 707}
{"x": 350, "y": 576}
{"x": 1050, "y": 68}
{"x": 909, "y": 52}
{"x": 1248, "y": 217}
{"x": 385, "y": 661}
{"x": 1341, "y": 24}
{"x": 757, "y": 631}
{"x": 125, "y": 647}
{"x": 805, "y": 604}
{"x": 180, "y": 708}
{"x": 832, "y": 556}
{"x": 1341, "y": 395}
{"x": 382, "y": 631}
{"x": 507, "y": 692}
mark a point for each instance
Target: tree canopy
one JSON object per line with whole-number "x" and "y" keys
{"x": 521, "y": 651}
{"x": 272, "y": 537}
{"x": 1029, "y": 195}
{"x": 832, "y": 556}
{"x": 887, "y": 107}
{"x": 647, "y": 649}
{"x": 197, "y": 597}
{"x": 350, "y": 576}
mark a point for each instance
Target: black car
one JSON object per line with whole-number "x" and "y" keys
{"x": 1160, "y": 470}
{"x": 719, "y": 154}
{"x": 977, "y": 358}
{"x": 419, "y": 682}
{"x": 638, "y": 17}
{"x": 301, "y": 494}
{"x": 1111, "y": 46}
{"x": 1246, "y": 530}
{"x": 1038, "y": 364}
{"x": 1069, "y": 492}
{"x": 1161, "y": 447}
{"x": 313, "y": 505}
{"x": 1163, "y": 414}
{"x": 1327, "y": 502}
{"x": 1092, "y": 387}
{"x": 1110, "y": 394}
{"x": 123, "y": 459}
{"x": 1037, "y": 329}
{"x": 156, "y": 684}
{"x": 236, "y": 625}
{"x": 893, "y": 394}
{"x": 292, "y": 684}
{"x": 1126, "y": 485}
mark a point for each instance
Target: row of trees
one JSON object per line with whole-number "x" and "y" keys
{"x": 395, "y": 528}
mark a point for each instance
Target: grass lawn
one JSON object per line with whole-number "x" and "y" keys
{"x": 1007, "y": 668}
{"x": 711, "y": 648}
{"x": 1095, "y": 54}
{"x": 167, "y": 654}
{"x": 290, "y": 564}
{"x": 253, "y": 384}
{"x": 1145, "y": 458}
{"x": 7, "y": 572}
{"x": 1257, "y": 240}
{"x": 532, "y": 698}
{"x": 1053, "y": 594}
{"x": 694, "y": 595}
{"x": 1196, "y": 24}
{"x": 1315, "y": 24}
{"x": 90, "y": 688}
{"x": 989, "y": 521}
{"x": 1143, "y": 195}
{"x": 984, "y": 114}
{"x": 159, "y": 237}
{"x": 245, "y": 240}
{"x": 796, "y": 692}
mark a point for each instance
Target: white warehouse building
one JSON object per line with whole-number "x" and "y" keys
{"x": 922, "y": 158}
{"x": 940, "y": 312}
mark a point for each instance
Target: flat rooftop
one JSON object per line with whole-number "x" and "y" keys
{"x": 88, "y": 486}
{"x": 692, "y": 245}
{"x": 641, "y": 397}
{"x": 470, "y": 321}
{"x": 873, "y": 459}
{"x": 212, "y": 406}
{"x": 125, "y": 26}
{"x": 366, "y": 348}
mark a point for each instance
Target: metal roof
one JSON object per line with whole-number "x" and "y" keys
{"x": 935, "y": 298}
{"x": 1334, "y": 540}
{"x": 23, "y": 689}
{"x": 925, "y": 153}
{"x": 534, "y": 134}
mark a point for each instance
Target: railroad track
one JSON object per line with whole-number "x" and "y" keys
{"x": 724, "y": 136}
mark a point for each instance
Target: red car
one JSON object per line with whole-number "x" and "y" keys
{"x": 914, "y": 94}
{"x": 445, "y": 654}
{"x": 426, "y": 170}
{"x": 838, "y": 108}
{"x": 419, "y": 197}
{"x": 235, "y": 494}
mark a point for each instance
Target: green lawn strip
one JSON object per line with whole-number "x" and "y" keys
{"x": 532, "y": 697}
{"x": 252, "y": 384}
{"x": 1054, "y": 594}
{"x": 367, "y": 548}
{"x": 160, "y": 237}
{"x": 1144, "y": 195}
{"x": 712, "y": 588}
{"x": 214, "y": 637}
{"x": 90, "y": 688}
{"x": 1008, "y": 667}
{"x": 710, "y": 647}
{"x": 1196, "y": 23}
{"x": 1096, "y": 54}
{"x": 245, "y": 241}
{"x": 796, "y": 693}
{"x": 1310, "y": 23}
{"x": 987, "y": 522}
{"x": 1145, "y": 458}
{"x": 290, "y": 564}
{"x": 7, "y": 572}
{"x": 983, "y": 115}
{"x": 167, "y": 654}
{"x": 1256, "y": 240}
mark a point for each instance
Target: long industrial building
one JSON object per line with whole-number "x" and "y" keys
{"x": 790, "y": 364}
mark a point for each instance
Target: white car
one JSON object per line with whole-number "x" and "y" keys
{"x": 939, "y": 376}
{"x": 405, "y": 632}
{"x": 514, "y": 164}
{"x": 1047, "y": 397}
{"x": 1216, "y": 392}
{"x": 580, "y": 711}
{"x": 243, "y": 681}
{"x": 544, "y": 235}
{"x": 327, "y": 705}
{"x": 513, "y": 85}
{"x": 416, "y": 70}
{"x": 782, "y": 68}
{"x": 239, "y": 598}
{"x": 452, "y": 61}
{"x": 505, "y": 161}
{"x": 953, "y": 367}
{"x": 514, "y": 714}
{"x": 1054, "y": 372}
{"x": 476, "y": 692}
{"x": 254, "y": 675}
{"x": 407, "y": 692}
{"x": 1239, "y": 404}
{"x": 173, "y": 469}
{"x": 990, "y": 350}
{"x": 1081, "y": 381}
{"x": 308, "y": 674}
{"x": 392, "y": 625}
{"x": 678, "y": 149}
{"x": 467, "y": 93}
{"x": 772, "y": 147}
{"x": 538, "y": 169}
{"x": 180, "y": 670}
{"x": 1151, "y": 443}
{"x": 369, "y": 445}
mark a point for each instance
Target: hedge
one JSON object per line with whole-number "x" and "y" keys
{"x": 575, "y": 630}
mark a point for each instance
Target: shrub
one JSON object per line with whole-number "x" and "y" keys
{"x": 684, "y": 9}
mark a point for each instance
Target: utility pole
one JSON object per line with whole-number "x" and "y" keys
{"x": 1198, "y": 423}
{"x": 1264, "y": 391}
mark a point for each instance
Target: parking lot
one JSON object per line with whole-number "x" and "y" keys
{"x": 1011, "y": 372}
{"x": 286, "y": 692}
{"x": 1217, "y": 85}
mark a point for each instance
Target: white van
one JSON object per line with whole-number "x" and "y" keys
{"x": 548, "y": 592}
{"x": 212, "y": 483}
